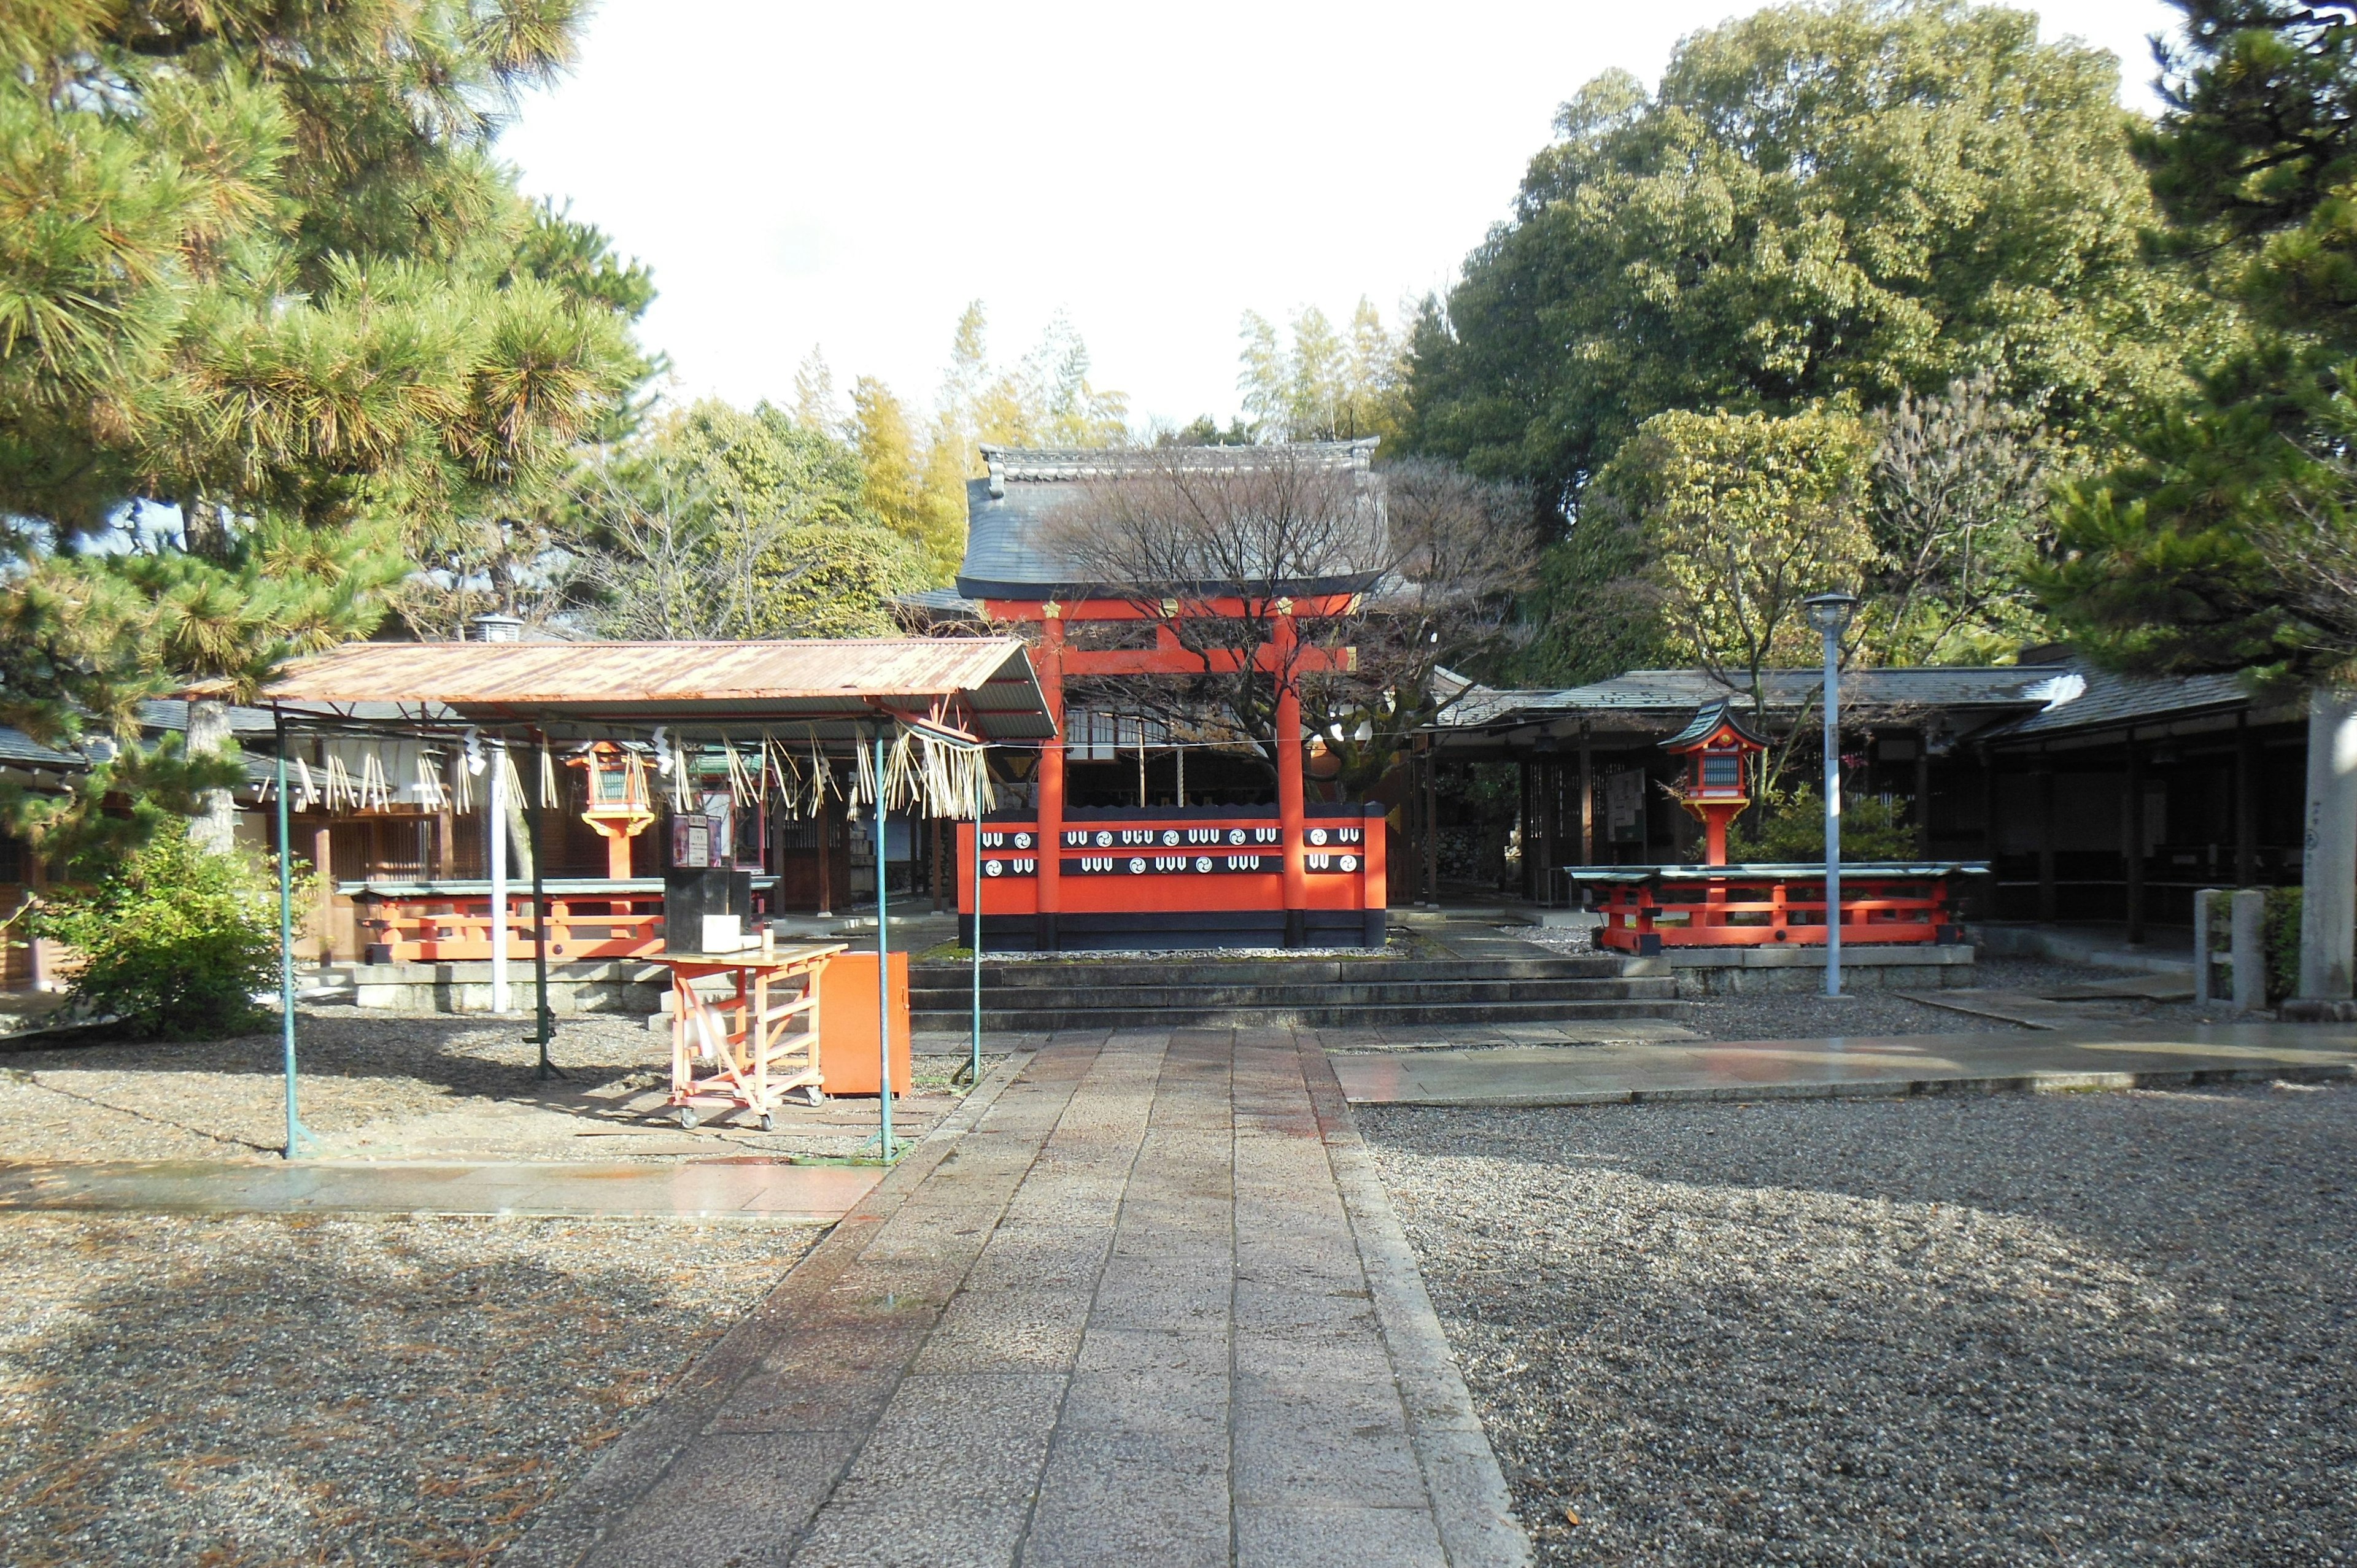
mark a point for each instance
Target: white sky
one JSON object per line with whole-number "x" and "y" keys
{"x": 850, "y": 176}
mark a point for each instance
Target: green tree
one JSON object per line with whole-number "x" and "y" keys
{"x": 720, "y": 522}
{"x": 1858, "y": 199}
{"x": 924, "y": 503}
{"x": 1732, "y": 521}
{"x": 1324, "y": 385}
{"x": 269, "y": 313}
{"x": 2225, "y": 539}
{"x": 1960, "y": 524}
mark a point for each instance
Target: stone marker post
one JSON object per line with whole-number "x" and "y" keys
{"x": 2205, "y": 902}
{"x": 2250, "y": 918}
{"x": 2328, "y": 911}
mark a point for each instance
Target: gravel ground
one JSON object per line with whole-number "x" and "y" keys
{"x": 265, "y": 1391}
{"x": 2020, "y": 1329}
{"x": 395, "y": 1085}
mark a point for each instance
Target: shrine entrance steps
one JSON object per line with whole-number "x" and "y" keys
{"x": 1152, "y": 992}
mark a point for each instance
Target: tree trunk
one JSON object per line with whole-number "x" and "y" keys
{"x": 521, "y": 849}
{"x": 214, "y": 827}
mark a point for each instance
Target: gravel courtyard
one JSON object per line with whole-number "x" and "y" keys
{"x": 410, "y": 1086}
{"x": 265, "y": 1391}
{"x": 2105, "y": 1328}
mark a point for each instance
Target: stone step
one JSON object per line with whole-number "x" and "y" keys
{"x": 947, "y": 998}
{"x": 1310, "y": 1015}
{"x": 1073, "y": 973}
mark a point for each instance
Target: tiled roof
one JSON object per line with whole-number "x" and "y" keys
{"x": 938, "y": 603}
{"x": 1050, "y": 465}
{"x": 18, "y": 749}
{"x": 1668, "y": 691}
{"x": 2084, "y": 698}
{"x": 2033, "y": 701}
{"x": 1007, "y": 555}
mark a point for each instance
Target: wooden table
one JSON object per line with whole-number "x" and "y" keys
{"x": 738, "y": 1053}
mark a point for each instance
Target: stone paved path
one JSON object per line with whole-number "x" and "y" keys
{"x": 1139, "y": 1302}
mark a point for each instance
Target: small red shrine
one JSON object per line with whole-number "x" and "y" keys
{"x": 1057, "y": 877}
{"x": 1722, "y": 758}
{"x": 1718, "y": 905}
{"x": 619, "y": 807}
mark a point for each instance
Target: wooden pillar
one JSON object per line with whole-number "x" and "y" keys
{"x": 1587, "y": 797}
{"x": 1292, "y": 821}
{"x": 826, "y": 811}
{"x": 1986, "y": 901}
{"x": 1431, "y": 827}
{"x": 2048, "y": 894}
{"x": 2246, "y": 805}
{"x": 323, "y": 866}
{"x": 1922, "y": 794}
{"x": 936, "y": 825}
{"x": 1645, "y": 816}
{"x": 1050, "y": 792}
{"x": 1527, "y": 831}
{"x": 2135, "y": 845}
{"x": 1549, "y": 787}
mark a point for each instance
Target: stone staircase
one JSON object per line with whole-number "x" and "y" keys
{"x": 1113, "y": 992}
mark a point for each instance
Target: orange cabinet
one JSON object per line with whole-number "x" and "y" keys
{"x": 847, "y": 1045}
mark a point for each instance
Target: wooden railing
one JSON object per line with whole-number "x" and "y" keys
{"x": 443, "y": 929}
{"x": 1647, "y": 908}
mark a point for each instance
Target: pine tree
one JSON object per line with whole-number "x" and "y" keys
{"x": 270, "y": 319}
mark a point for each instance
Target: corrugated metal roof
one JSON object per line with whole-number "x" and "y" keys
{"x": 681, "y": 683}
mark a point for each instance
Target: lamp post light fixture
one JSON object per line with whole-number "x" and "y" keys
{"x": 1830, "y": 614}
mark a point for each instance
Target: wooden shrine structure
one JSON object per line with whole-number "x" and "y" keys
{"x": 1055, "y": 876}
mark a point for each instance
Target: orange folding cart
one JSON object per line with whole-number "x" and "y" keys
{"x": 749, "y": 1050}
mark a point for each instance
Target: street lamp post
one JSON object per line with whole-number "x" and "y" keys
{"x": 1830, "y": 614}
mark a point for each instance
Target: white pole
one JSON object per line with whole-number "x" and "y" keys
{"x": 1833, "y": 814}
{"x": 495, "y": 821}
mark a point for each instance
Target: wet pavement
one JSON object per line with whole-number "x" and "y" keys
{"x": 754, "y": 1188}
{"x": 2125, "y": 1057}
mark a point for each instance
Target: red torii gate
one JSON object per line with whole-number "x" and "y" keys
{"x": 1175, "y": 875}
{"x": 1281, "y": 656}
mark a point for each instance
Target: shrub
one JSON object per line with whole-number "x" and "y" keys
{"x": 176, "y": 941}
{"x": 1790, "y": 826}
{"x": 2280, "y": 940}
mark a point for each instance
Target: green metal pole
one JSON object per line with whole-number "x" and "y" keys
{"x": 532, "y": 808}
{"x": 980, "y": 761}
{"x": 296, "y": 1136}
{"x": 883, "y": 971}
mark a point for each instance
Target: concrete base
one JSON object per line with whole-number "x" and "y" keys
{"x": 2299, "y": 1010}
{"x": 1739, "y": 971}
{"x": 607, "y": 985}
{"x": 2166, "y": 951}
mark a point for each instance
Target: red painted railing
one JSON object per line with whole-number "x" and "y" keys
{"x": 1647, "y": 908}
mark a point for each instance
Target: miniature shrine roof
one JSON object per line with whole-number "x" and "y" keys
{"x": 1707, "y": 720}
